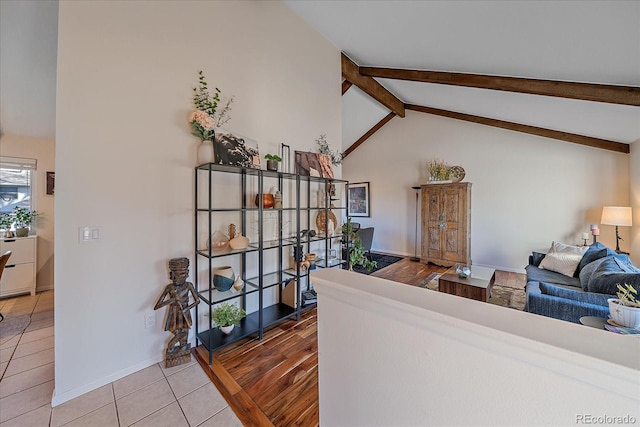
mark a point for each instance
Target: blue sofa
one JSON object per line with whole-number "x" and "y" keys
{"x": 595, "y": 280}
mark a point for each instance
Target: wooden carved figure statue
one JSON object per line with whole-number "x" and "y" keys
{"x": 178, "y": 320}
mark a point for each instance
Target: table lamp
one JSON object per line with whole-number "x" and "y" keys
{"x": 618, "y": 216}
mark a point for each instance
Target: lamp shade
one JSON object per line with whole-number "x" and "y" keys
{"x": 616, "y": 215}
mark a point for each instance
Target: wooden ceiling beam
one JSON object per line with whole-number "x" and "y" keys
{"x": 346, "y": 84}
{"x": 624, "y": 95}
{"x": 370, "y": 132}
{"x": 350, "y": 71}
{"x": 533, "y": 130}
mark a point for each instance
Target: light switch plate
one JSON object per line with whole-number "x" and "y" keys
{"x": 88, "y": 234}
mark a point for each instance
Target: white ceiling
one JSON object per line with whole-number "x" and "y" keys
{"x": 582, "y": 41}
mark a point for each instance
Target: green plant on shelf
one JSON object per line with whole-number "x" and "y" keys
{"x": 274, "y": 157}
{"x": 227, "y": 314}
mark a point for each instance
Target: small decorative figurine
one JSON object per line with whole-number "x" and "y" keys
{"x": 178, "y": 322}
{"x": 277, "y": 196}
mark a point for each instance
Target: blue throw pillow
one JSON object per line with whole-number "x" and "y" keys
{"x": 595, "y": 251}
{"x": 587, "y": 271}
{"x": 608, "y": 275}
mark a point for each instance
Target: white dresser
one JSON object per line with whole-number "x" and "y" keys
{"x": 19, "y": 275}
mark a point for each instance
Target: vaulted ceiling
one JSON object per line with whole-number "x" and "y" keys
{"x": 594, "y": 43}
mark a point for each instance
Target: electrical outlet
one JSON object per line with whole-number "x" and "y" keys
{"x": 150, "y": 320}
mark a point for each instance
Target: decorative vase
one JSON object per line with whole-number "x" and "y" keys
{"x": 227, "y": 329}
{"x": 238, "y": 284}
{"x": 267, "y": 200}
{"x": 22, "y": 232}
{"x": 217, "y": 241}
{"x": 628, "y": 317}
{"x": 223, "y": 278}
{"x": 239, "y": 242}
{"x": 206, "y": 152}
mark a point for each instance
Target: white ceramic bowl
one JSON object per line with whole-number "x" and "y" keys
{"x": 623, "y": 315}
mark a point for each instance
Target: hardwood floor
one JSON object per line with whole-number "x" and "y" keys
{"x": 274, "y": 381}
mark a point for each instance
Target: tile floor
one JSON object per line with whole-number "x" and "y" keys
{"x": 155, "y": 396}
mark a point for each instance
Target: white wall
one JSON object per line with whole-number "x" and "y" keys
{"x": 392, "y": 354}
{"x": 634, "y": 195}
{"x": 43, "y": 150}
{"x": 28, "y": 47}
{"x": 125, "y": 155}
{"x": 526, "y": 192}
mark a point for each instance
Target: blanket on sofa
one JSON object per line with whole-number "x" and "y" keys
{"x": 586, "y": 292}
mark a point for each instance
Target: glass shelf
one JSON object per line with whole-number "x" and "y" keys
{"x": 279, "y": 229}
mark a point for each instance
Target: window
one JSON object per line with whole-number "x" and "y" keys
{"x": 16, "y": 183}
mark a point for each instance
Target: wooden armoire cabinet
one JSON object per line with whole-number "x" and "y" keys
{"x": 446, "y": 224}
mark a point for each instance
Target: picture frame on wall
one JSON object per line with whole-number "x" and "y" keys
{"x": 359, "y": 199}
{"x": 51, "y": 183}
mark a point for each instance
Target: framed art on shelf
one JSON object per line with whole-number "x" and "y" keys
{"x": 359, "y": 199}
{"x": 313, "y": 164}
{"x": 235, "y": 150}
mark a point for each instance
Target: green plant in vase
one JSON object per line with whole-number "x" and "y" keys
{"x": 272, "y": 161}
{"x": 439, "y": 170}
{"x": 6, "y": 221}
{"x": 625, "y": 310}
{"x": 357, "y": 252}
{"x": 23, "y": 218}
{"x": 226, "y": 316}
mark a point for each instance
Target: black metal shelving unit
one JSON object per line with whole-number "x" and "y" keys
{"x": 301, "y": 212}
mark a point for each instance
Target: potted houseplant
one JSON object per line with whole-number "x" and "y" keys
{"x": 272, "y": 161}
{"x": 356, "y": 250}
{"x": 625, "y": 310}
{"x": 6, "y": 220}
{"x": 226, "y": 316}
{"x": 23, "y": 218}
{"x": 439, "y": 170}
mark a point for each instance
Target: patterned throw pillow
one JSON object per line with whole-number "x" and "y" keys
{"x": 563, "y": 259}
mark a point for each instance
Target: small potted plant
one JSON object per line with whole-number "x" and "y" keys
{"x": 226, "y": 316}
{"x": 23, "y": 218}
{"x": 6, "y": 220}
{"x": 272, "y": 161}
{"x": 625, "y": 310}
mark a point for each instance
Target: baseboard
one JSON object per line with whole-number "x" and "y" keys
{"x": 384, "y": 252}
{"x": 59, "y": 399}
